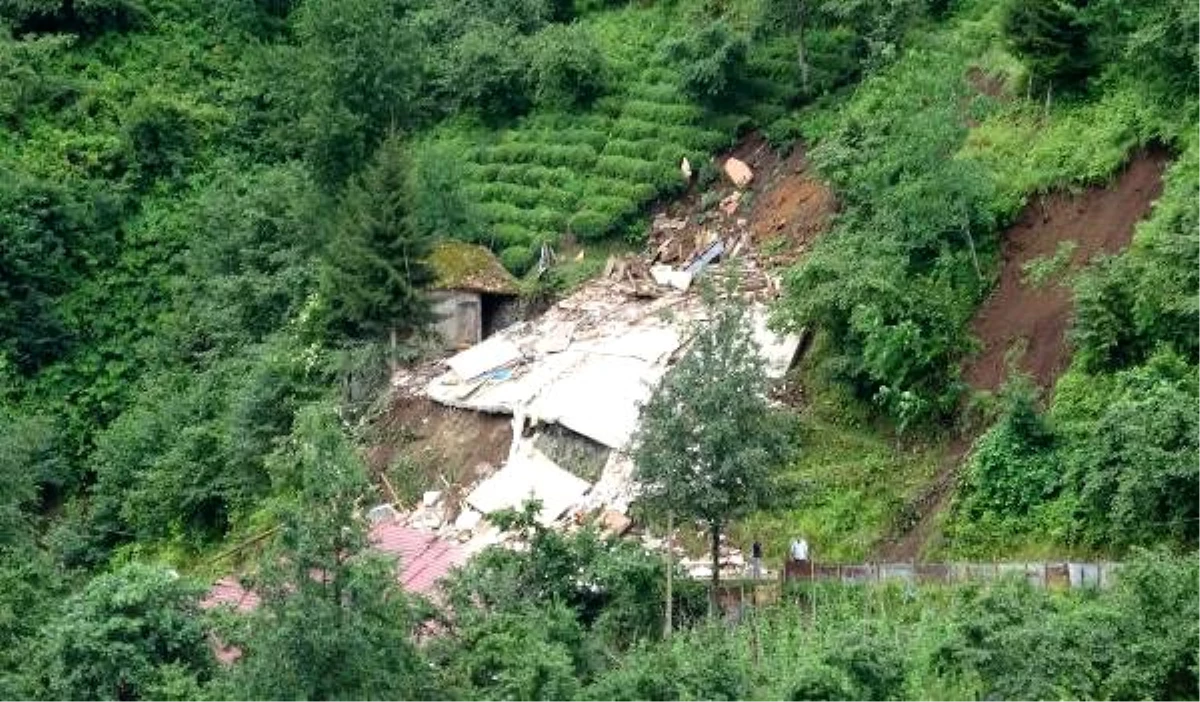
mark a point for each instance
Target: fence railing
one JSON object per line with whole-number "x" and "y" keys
{"x": 1047, "y": 574}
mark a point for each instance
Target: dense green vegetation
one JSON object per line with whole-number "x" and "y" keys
{"x": 214, "y": 219}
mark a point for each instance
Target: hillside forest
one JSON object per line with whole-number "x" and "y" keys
{"x": 215, "y": 226}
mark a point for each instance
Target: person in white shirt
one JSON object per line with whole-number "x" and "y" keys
{"x": 799, "y": 550}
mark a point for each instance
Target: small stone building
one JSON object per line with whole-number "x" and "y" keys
{"x": 473, "y": 295}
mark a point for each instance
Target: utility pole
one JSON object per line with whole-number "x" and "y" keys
{"x": 670, "y": 568}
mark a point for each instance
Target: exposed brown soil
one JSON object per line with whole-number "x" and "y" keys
{"x": 442, "y": 442}
{"x": 1028, "y": 322}
{"x": 792, "y": 210}
{"x": 785, "y": 208}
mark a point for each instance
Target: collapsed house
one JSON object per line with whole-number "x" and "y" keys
{"x": 574, "y": 380}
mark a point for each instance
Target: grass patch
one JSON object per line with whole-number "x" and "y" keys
{"x": 852, "y": 481}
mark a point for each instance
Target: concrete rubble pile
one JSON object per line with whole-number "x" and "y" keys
{"x": 588, "y": 364}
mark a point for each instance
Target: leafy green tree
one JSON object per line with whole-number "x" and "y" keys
{"x": 487, "y": 69}
{"x": 612, "y": 586}
{"x": 363, "y": 84}
{"x": 520, "y": 654}
{"x": 1151, "y": 41}
{"x": 50, "y": 235}
{"x": 253, "y": 273}
{"x": 87, "y": 17}
{"x": 131, "y": 634}
{"x": 1051, "y": 36}
{"x": 705, "y": 663}
{"x": 374, "y": 273}
{"x": 162, "y": 138}
{"x": 892, "y": 290}
{"x": 568, "y": 67}
{"x": 1133, "y": 465}
{"x": 334, "y": 622}
{"x": 711, "y": 62}
{"x": 1013, "y": 467}
{"x": 30, "y": 77}
{"x": 439, "y": 206}
{"x": 709, "y": 442}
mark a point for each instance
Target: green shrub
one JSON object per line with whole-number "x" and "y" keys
{"x": 512, "y": 152}
{"x": 675, "y": 113}
{"x": 508, "y": 234}
{"x": 589, "y": 225}
{"x": 615, "y": 207}
{"x": 518, "y": 259}
{"x": 633, "y": 129}
{"x": 627, "y": 168}
{"x": 632, "y": 149}
{"x": 534, "y": 175}
{"x": 665, "y": 93}
{"x": 567, "y": 66}
{"x": 711, "y": 61}
{"x": 500, "y": 212}
{"x": 568, "y": 135}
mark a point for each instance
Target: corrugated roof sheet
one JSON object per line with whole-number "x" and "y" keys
{"x": 424, "y": 560}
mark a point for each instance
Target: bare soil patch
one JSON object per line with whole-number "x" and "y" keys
{"x": 445, "y": 446}
{"x": 1032, "y": 320}
{"x": 785, "y": 208}
{"x": 1027, "y": 322}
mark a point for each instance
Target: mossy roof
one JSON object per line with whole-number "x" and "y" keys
{"x": 460, "y": 266}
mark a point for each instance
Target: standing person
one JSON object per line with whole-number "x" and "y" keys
{"x": 799, "y": 567}
{"x": 756, "y": 560}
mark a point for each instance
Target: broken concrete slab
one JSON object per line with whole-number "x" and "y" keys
{"x": 491, "y": 353}
{"x": 667, "y": 276}
{"x": 738, "y": 172}
{"x": 529, "y": 474}
{"x": 709, "y": 255}
{"x": 778, "y": 352}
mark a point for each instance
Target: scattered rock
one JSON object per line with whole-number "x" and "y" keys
{"x": 382, "y": 513}
{"x": 729, "y": 203}
{"x": 738, "y": 172}
{"x": 467, "y": 520}
{"x": 664, "y": 223}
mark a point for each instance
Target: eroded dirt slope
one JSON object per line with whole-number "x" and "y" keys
{"x": 1029, "y": 321}
{"x": 1096, "y": 221}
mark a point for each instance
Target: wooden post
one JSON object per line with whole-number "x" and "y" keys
{"x": 670, "y": 567}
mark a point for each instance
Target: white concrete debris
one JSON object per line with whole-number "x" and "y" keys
{"x": 587, "y": 364}
{"x": 481, "y": 358}
{"x": 667, "y": 276}
{"x": 527, "y": 475}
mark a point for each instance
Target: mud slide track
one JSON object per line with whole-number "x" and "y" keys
{"x": 1034, "y": 320}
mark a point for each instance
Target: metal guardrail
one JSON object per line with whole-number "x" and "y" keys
{"x": 1048, "y": 574}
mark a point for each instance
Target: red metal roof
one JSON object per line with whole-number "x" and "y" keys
{"x": 424, "y": 560}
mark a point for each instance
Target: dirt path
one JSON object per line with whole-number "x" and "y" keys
{"x": 1030, "y": 321}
